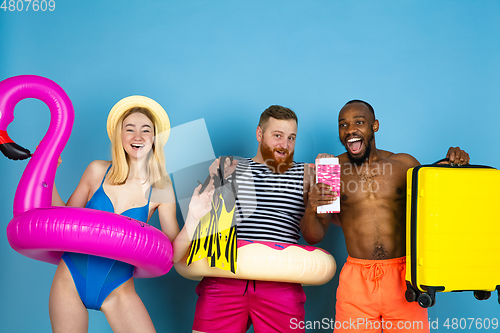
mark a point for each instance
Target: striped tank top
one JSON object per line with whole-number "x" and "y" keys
{"x": 269, "y": 205}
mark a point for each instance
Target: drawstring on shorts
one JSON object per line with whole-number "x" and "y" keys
{"x": 375, "y": 273}
{"x": 246, "y": 287}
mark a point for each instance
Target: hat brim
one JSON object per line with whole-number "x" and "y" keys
{"x": 161, "y": 120}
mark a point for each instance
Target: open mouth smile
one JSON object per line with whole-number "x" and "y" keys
{"x": 137, "y": 146}
{"x": 355, "y": 145}
{"x": 281, "y": 152}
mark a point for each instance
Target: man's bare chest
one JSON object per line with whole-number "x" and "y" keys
{"x": 377, "y": 181}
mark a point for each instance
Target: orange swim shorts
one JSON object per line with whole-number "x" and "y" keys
{"x": 371, "y": 298}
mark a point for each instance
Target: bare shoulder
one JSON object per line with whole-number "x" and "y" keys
{"x": 97, "y": 168}
{"x": 89, "y": 182}
{"x": 406, "y": 159}
{"x": 343, "y": 158}
{"x": 163, "y": 195}
{"x": 167, "y": 189}
{"x": 94, "y": 173}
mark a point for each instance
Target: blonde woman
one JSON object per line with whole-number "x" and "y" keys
{"x": 134, "y": 184}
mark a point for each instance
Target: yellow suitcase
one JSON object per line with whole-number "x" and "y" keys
{"x": 452, "y": 231}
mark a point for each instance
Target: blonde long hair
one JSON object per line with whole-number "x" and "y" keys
{"x": 119, "y": 172}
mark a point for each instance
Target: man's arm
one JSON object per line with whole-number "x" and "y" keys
{"x": 313, "y": 225}
{"x": 454, "y": 155}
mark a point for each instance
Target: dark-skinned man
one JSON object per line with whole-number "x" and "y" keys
{"x": 370, "y": 296}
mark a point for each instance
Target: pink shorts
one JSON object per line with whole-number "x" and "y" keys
{"x": 371, "y": 297}
{"x": 232, "y": 306}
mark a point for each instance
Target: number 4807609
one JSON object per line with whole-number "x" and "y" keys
{"x": 26, "y": 5}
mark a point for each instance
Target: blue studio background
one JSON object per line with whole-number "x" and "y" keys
{"x": 431, "y": 69}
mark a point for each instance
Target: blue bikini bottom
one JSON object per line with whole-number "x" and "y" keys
{"x": 96, "y": 277}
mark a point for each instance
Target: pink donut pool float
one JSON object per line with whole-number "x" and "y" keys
{"x": 269, "y": 261}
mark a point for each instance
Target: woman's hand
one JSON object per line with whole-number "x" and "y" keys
{"x": 201, "y": 204}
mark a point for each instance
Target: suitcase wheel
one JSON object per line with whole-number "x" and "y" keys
{"x": 426, "y": 300}
{"x": 482, "y": 295}
{"x": 410, "y": 294}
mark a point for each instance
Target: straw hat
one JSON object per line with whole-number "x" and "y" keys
{"x": 161, "y": 121}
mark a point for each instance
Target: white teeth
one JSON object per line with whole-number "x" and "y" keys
{"x": 137, "y": 146}
{"x": 354, "y": 139}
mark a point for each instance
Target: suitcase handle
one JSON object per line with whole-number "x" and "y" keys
{"x": 453, "y": 165}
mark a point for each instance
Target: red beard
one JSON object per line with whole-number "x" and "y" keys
{"x": 276, "y": 165}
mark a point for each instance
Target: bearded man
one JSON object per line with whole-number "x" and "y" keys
{"x": 270, "y": 206}
{"x": 370, "y": 296}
